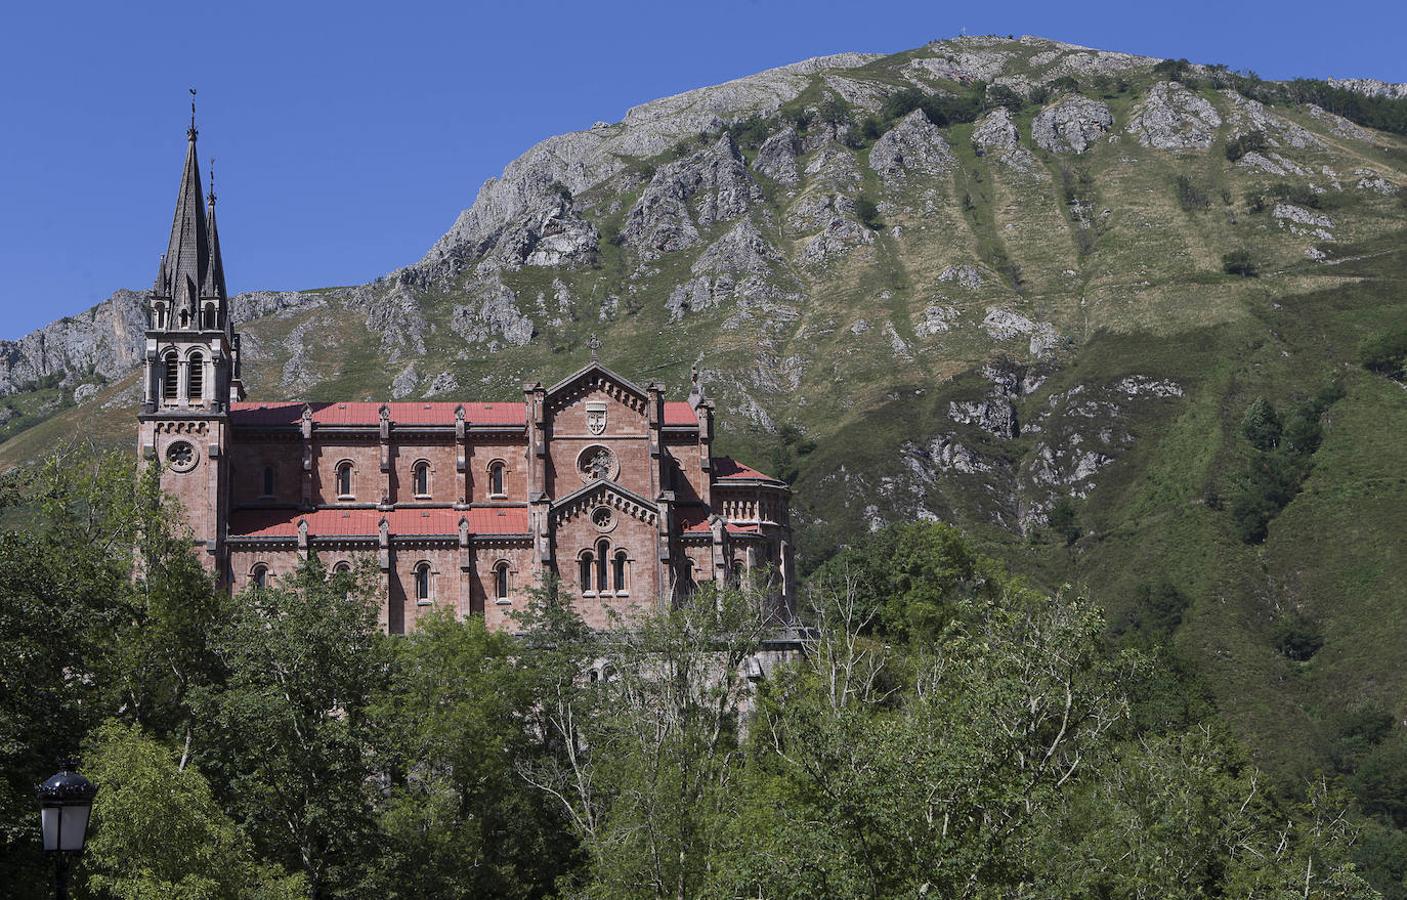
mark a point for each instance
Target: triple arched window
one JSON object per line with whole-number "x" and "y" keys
{"x": 602, "y": 571}
{"x": 344, "y": 480}
{"x": 420, "y": 479}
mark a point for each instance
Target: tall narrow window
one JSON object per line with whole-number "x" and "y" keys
{"x": 259, "y": 576}
{"x": 344, "y": 479}
{"x": 209, "y": 317}
{"x": 603, "y": 560}
{"x": 421, "y": 479}
{"x": 422, "y": 581}
{"x": 161, "y": 316}
{"x": 618, "y": 573}
{"x": 586, "y": 572}
{"x": 737, "y": 572}
{"x": 268, "y": 481}
{"x": 197, "y": 376}
{"x": 500, "y": 581}
{"x": 496, "y": 479}
{"x": 170, "y": 376}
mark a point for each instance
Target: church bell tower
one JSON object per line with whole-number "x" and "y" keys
{"x": 191, "y": 365}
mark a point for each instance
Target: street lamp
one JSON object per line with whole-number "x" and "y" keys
{"x": 65, "y": 803}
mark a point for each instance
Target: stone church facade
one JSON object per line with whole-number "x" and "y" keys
{"x": 598, "y": 480}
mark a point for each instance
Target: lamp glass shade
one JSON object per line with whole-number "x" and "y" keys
{"x": 73, "y": 827}
{"x": 49, "y": 819}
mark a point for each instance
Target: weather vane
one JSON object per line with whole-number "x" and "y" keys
{"x": 594, "y": 344}
{"x": 192, "y": 90}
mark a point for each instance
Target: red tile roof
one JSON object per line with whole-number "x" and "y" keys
{"x": 679, "y": 412}
{"x": 725, "y": 467}
{"x": 369, "y": 413}
{"x": 361, "y": 522}
{"x": 694, "y": 520}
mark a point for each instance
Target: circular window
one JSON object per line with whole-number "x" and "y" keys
{"x": 181, "y": 456}
{"x": 604, "y": 518}
{"x": 597, "y": 462}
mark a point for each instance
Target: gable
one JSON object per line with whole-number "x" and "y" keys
{"x": 604, "y": 493}
{"x": 595, "y": 377}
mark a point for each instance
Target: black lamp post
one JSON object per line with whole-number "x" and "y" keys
{"x": 65, "y": 803}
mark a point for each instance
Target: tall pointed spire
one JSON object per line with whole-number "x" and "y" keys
{"x": 214, "y": 284}
{"x": 190, "y": 270}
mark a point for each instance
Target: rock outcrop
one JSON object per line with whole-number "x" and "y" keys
{"x": 913, "y": 147}
{"x": 1071, "y": 125}
{"x": 1173, "y": 118}
{"x": 717, "y": 182}
{"x": 776, "y": 158}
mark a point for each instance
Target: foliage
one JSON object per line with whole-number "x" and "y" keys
{"x": 304, "y": 657}
{"x": 1283, "y": 459}
{"x": 157, "y": 830}
{"x": 1298, "y": 638}
{"x": 1240, "y": 262}
{"x": 940, "y": 109}
{"x": 868, "y": 213}
{"x": 1250, "y": 142}
{"x": 1189, "y": 195}
{"x": 1064, "y": 521}
{"x": 913, "y": 578}
{"x": 1261, "y": 425}
{"x": 457, "y": 819}
{"x": 648, "y": 753}
{"x": 1386, "y": 354}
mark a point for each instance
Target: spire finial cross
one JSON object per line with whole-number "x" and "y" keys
{"x": 212, "y": 181}
{"x": 191, "y": 132}
{"x": 595, "y": 345}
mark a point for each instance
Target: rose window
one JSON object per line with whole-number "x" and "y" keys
{"x": 180, "y": 455}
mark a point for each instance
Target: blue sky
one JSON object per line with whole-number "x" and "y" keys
{"x": 349, "y": 135}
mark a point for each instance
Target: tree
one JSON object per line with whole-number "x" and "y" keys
{"x": 158, "y": 832}
{"x": 1064, "y": 522}
{"x": 1261, "y": 425}
{"x": 457, "y": 819}
{"x": 648, "y": 742}
{"x": 924, "y": 773}
{"x": 304, "y": 657}
{"x": 1239, "y": 262}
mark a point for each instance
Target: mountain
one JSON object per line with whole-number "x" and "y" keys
{"x": 1000, "y": 282}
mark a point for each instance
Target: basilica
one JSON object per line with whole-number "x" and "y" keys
{"x": 598, "y": 481}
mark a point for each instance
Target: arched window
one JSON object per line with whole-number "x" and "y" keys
{"x": 603, "y": 559}
{"x": 170, "y": 376}
{"x": 161, "y": 316}
{"x": 422, "y": 582}
{"x": 344, "y": 479}
{"x": 690, "y": 583}
{"x": 500, "y": 580}
{"x": 196, "y": 379}
{"x": 268, "y": 481}
{"x": 342, "y": 568}
{"x": 185, "y": 317}
{"x": 618, "y": 571}
{"x": 209, "y": 317}
{"x": 586, "y": 566}
{"x": 496, "y": 479}
{"x": 420, "y": 479}
{"x": 737, "y": 572}
{"x": 259, "y": 576}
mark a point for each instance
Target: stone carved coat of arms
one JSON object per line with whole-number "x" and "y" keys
{"x": 596, "y": 418}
